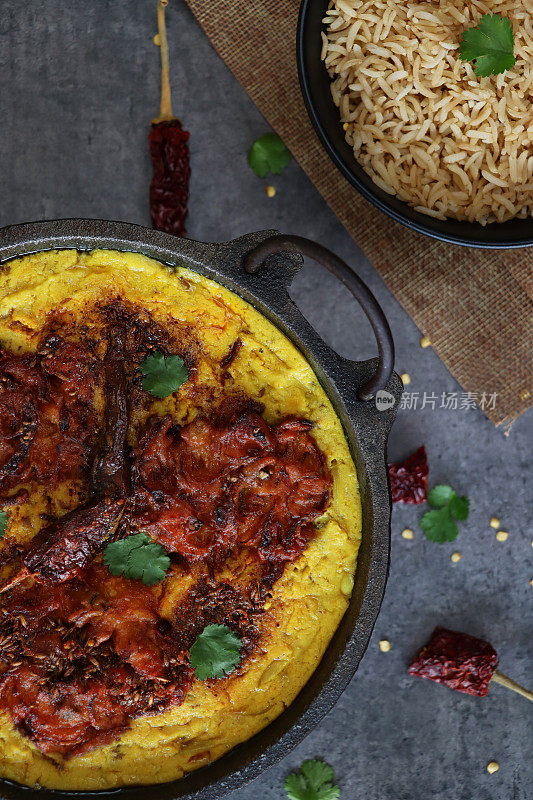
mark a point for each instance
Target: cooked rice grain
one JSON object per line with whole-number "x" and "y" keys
{"x": 420, "y": 122}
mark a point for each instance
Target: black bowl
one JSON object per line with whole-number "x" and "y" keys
{"x": 324, "y": 114}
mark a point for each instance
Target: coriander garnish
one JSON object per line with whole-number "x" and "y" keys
{"x": 137, "y": 557}
{"x": 439, "y": 525}
{"x": 3, "y": 523}
{"x": 268, "y": 153}
{"x": 490, "y": 46}
{"x": 215, "y": 653}
{"x": 314, "y": 781}
{"x": 163, "y": 374}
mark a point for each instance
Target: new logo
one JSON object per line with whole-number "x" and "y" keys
{"x": 384, "y": 400}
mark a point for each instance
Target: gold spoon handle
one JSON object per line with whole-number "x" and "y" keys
{"x": 165, "y": 113}
{"x": 503, "y": 680}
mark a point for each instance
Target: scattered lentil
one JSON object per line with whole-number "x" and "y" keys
{"x": 456, "y": 557}
{"x": 384, "y": 645}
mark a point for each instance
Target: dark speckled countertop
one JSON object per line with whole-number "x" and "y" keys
{"x": 78, "y": 87}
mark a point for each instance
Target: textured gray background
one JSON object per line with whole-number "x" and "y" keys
{"x": 78, "y": 86}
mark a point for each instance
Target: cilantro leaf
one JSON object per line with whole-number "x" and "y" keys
{"x": 137, "y": 557}
{"x": 460, "y": 506}
{"x": 268, "y": 153}
{"x": 317, "y": 773}
{"x": 439, "y": 525}
{"x": 439, "y": 496}
{"x": 215, "y": 653}
{"x": 313, "y": 782}
{"x": 296, "y": 787}
{"x": 163, "y": 374}
{"x": 490, "y": 45}
{"x": 3, "y": 523}
{"x": 329, "y": 793}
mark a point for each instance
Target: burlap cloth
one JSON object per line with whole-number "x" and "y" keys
{"x": 475, "y": 306}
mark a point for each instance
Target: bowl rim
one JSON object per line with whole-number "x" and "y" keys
{"x": 404, "y": 214}
{"x": 366, "y": 431}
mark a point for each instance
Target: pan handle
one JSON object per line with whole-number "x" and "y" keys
{"x": 254, "y": 260}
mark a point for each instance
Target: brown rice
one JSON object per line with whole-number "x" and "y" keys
{"x": 421, "y": 123}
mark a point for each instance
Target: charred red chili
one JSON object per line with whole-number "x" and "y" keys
{"x": 169, "y": 151}
{"x": 62, "y": 548}
{"x": 408, "y": 479}
{"x": 458, "y": 660}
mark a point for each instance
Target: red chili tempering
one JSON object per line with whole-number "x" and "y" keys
{"x": 83, "y": 652}
{"x": 223, "y": 484}
{"x": 458, "y": 660}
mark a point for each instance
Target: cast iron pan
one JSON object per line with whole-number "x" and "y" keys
{"x": 260, "y": 267}
{"x": 324, "y": 115}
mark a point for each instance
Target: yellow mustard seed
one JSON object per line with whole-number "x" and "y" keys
{"x": 424, "y": 342}
{"x": 525, "y": 394}
{"x": 271, "y": 191}
{"x": 494, "y": 522}
{"x": 492, "y": 767}
{"x": 502, "y": 536}
{"x": 157, "y": 40}
{"x": 345, "y": 126}
{"x": 531, "y": 582}
{"x": 407, "y": 533}
{"x": 384, "y": 645}
{"x": 456, "y": 557}
{"x": 406, "y": 378}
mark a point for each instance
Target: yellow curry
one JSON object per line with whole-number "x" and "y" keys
{"x": 268, "y": 548}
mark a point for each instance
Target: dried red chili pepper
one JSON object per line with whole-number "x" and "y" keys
{"x": 67, "y": 545}
{"x": 169, "y": 151}
{"x": 460, "y": 661}
{"x": 408, "y": 479}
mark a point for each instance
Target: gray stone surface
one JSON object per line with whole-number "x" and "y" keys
{"x": 78, "y": 86}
